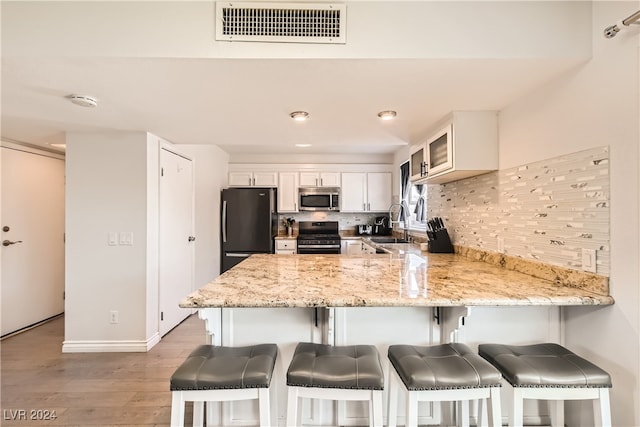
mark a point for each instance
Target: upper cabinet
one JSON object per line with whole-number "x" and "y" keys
{"x": 365, "y": 192}
{"x": 464, "y": 145}
{"x": 320, "y": 179}
{"x": 253, "y": 179}
{"x": 288, "y": 192}
{"x": 418, "y": 162}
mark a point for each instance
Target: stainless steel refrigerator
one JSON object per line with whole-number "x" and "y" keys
{"x": 249, "y": 224}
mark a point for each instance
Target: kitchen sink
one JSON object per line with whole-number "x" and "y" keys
{"x": 387, "y": 240}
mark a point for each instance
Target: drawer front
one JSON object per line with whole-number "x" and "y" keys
{"x": 286, "y": 244}
{"x": 286, "y": 251}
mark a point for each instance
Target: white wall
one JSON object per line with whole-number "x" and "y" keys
{"x": 595, "y": 105}
{"x": 109, "y": 189}
{"x": 211, "y": 165}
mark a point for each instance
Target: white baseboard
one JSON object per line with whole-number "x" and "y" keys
{"x": 120, "y": 346}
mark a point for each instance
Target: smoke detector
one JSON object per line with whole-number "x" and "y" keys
{"x": 83, "y": 100}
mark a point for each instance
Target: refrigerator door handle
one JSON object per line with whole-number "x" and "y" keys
{"x": 224, "y": 221}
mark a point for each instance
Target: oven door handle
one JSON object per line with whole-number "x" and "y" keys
{"x": 318, "y": 246}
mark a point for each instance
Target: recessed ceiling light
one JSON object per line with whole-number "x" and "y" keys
{"x": 299, "y": 116}
{"x": 83, "y": 100}
{"x": 303, "y": 145}
{"x": 387, "y": 115}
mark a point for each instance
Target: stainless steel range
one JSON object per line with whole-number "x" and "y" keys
{"x": 318, "y": 237}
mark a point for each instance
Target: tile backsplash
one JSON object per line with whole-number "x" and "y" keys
{"x": 346, "y": 221}
{"x": 548, "y": 210}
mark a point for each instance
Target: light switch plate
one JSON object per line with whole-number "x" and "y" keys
{"x": 126, "y": 238}
{"x": 112, "y": 238}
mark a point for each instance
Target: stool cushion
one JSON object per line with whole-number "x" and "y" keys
{"x": 543, "y": 365}
{"x": 211, "y": 367}
{"x": 325, "y": 366}
{"x": 438, "y": 367}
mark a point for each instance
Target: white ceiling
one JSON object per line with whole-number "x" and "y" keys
{"x": 243, "y": 105}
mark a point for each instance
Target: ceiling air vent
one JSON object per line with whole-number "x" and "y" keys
{"x": 281, "y": 22}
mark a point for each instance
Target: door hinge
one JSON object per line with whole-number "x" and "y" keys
{"x": 161, "y": 171}
{"x": 162, "y": 315}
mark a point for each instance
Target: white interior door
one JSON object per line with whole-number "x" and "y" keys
{"x": 33, "y": 217}
{"x": 176, "y": 234}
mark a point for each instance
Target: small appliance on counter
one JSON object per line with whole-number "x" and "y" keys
{"x": 363, "y": 230}
{"x": 381, "y": 226}
{"x": 439, "y": 241}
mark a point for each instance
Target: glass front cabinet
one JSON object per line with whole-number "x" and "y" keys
{"x": 440, "y": 150}
{"x": 463, "y": 144}
{"x": 418, "y": 162}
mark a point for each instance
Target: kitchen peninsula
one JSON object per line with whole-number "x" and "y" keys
{"x": 403, "y": 296}
{"x": 401, "y": 278}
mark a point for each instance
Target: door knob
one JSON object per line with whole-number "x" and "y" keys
{"x": 192, "y": 238}
{"x": 9, "y": 242}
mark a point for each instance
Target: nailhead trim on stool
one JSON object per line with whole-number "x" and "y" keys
{"x": 440, "y": 373}
{"x": 320, "y": 371}
{"x": 216, "y": 374}
{"x": 549, "y": 372}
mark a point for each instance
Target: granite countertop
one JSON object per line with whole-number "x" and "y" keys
{"x": 404, "y": 277}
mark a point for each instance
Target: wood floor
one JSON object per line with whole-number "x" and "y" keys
{"x": 90, "y": 389}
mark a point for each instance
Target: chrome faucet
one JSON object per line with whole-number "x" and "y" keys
{"x": 391, "y": 221}
{"x": 404, "y": 223}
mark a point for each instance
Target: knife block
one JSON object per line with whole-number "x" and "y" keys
{"x": 439, "y": 242}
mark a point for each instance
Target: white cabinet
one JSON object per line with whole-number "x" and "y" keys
{"x": 439, "y": 150}
{"x": 378, "y": 191}
{"x": 286, "y": 246}
{"x": 288, "y": 192}
{"x": 418, "y": 162}
{"x": 253, "y": 179}
{"x": 351, "y": 246}
{"x": 320, "y": 179}
{"x": 366, "y": 191}
{"x": 464, "y": 145}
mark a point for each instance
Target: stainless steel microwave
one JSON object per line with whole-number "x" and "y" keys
{"x": 319, "y": 199}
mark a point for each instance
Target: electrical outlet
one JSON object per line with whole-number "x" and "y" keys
{"x": 589, "y": 260}
{"x": 113, "y": 316}
{"x": 501, "y": 245}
